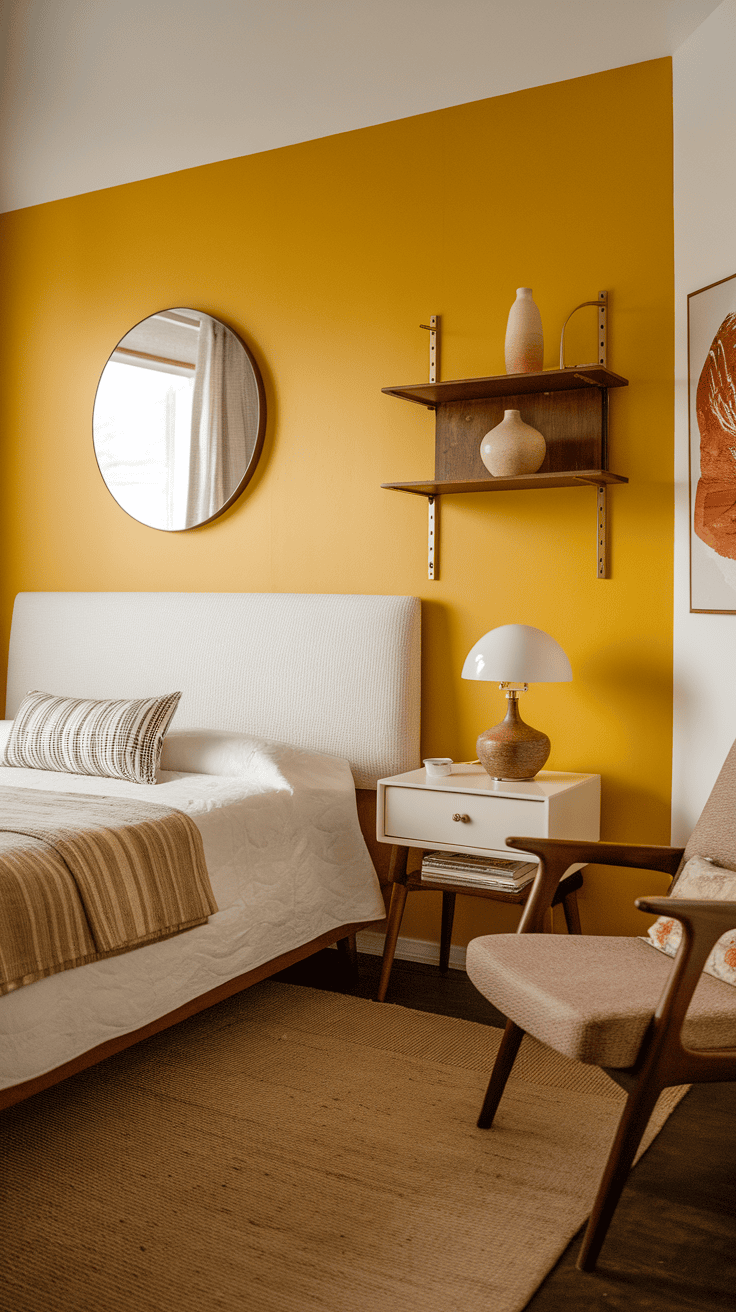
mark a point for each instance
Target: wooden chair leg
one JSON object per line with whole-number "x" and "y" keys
{"x": 502, "y": 1068}
{"x": 448, "y": 915}
{"x": 348, "y": 949}
{"x": 572, "y": 912}
{"x": 631, "y": 1127}
{"x": 396, "y": 911}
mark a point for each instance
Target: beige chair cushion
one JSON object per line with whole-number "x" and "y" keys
{"x": 592, "y": 997}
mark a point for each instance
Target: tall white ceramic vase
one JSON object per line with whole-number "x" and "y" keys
{"x": 512, "y": 448}
{"x": 524, "y": 348}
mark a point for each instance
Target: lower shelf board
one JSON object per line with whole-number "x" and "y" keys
{"x": 564, "y": 478}
{"x": 600, "y": 479}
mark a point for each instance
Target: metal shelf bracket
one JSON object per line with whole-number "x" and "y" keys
{"x": 601, "y": 533}
{"x": 602, "y": 352}
{"x": 433, "y": 328}
{"x": 433, "y": 505}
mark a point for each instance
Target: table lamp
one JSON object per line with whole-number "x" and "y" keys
{"x": 515, "y": 655}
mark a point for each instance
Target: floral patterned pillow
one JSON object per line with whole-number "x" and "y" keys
{"x": 701, "y": 878}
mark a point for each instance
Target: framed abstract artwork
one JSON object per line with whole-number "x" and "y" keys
{"x": 711, "y": 329}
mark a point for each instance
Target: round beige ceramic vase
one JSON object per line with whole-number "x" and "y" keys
{"x": 524, "y": 346}
{"x": 512, "y": 447}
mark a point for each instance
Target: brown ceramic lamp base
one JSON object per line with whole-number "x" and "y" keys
{"x": 512, "y": 749}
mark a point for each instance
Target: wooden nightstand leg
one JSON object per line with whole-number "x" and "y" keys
{"x": 398, "y": 900}
{"x": 396, "y": 910}
{"x": 448, "y": 915}
{"x": 572, "y": 914}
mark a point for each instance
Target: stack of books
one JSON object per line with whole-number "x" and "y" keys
{"x": 478, "y": 871}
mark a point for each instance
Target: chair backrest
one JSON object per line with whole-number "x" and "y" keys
{"x": 715, "y": 833}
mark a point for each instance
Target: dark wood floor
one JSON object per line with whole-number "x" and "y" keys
{"x": 672, "y": 1243}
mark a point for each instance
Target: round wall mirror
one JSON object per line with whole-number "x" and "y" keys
{"x": 179, "y": 419}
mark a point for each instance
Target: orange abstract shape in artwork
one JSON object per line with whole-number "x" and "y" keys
{"x": 715, "y": 403}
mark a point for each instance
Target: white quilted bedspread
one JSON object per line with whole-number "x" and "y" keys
{"x": 287, "y": 863}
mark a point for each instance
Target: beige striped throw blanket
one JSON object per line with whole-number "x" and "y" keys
{"x": 84, "y": 877}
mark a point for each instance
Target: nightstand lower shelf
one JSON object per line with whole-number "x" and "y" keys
{"x": 404, "y": 882}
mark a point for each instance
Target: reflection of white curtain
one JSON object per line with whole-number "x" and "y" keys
{"x": 224, "y": 421}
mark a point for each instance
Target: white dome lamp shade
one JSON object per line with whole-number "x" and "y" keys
{"x": 515, "y": 655}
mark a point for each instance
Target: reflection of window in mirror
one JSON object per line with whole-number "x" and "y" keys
{"x": 179, "y": 419}
{"x": 143, "y": 418}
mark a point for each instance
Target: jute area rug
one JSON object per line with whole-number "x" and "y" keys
{"x": 294, "y": 1149}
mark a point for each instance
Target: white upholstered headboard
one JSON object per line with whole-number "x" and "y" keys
{"x": 336, "y": 674}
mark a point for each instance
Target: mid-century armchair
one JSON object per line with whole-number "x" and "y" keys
{"x": 649, "y": 1021}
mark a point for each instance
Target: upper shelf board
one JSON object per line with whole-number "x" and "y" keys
{"x": 475, "y": 389}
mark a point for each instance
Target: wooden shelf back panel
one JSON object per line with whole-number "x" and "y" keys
{"x": 572, "y": 423}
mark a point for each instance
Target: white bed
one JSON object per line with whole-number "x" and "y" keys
{"x": 289, "y": 702}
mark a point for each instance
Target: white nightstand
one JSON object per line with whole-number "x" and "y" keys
{"x": 467, "y": 811}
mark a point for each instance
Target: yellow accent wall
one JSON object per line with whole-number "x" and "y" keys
{"x": 326, "y": 257}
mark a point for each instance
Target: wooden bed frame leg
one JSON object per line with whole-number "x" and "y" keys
{"x": 348, "y": 949}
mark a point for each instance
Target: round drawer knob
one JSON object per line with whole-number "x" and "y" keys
{"x": 464, "y": 819}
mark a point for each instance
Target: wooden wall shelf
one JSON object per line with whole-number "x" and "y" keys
{"x": 577, "y": 378}
{"x": 520, "y": 483}
{"x": 568, "y": 406}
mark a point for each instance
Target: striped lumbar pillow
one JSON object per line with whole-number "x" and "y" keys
{"x": 116, "y": 739}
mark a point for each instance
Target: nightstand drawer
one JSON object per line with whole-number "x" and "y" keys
{"x": 425, "y": 815}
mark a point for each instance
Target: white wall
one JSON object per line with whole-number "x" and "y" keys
{"x": 705, "y": 251}
{"x": 100, "y": 92}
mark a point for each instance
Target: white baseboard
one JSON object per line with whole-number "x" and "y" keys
{"x": 410, "y": 949}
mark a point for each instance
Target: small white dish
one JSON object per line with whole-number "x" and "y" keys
{"x": 436, "y": 766}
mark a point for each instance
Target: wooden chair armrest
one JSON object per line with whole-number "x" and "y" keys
{"x": 556, "y": 855}
{"x": 706, "y": 919}
{"x": 574, "y": 850}
{"x": 703, "y": 922}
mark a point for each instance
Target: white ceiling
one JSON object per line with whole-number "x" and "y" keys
{"x": 101, "y": 92}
